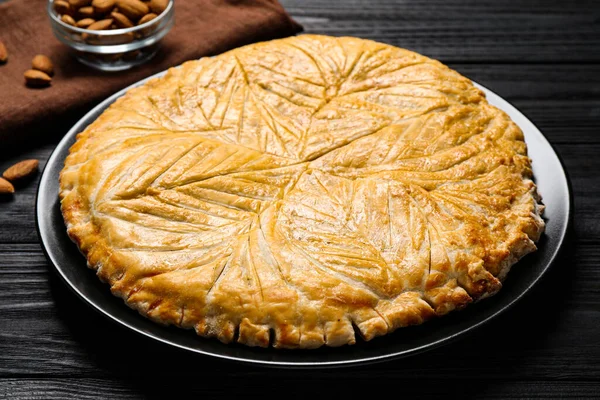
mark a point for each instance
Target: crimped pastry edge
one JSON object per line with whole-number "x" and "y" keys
{"x": 409, "y": 308}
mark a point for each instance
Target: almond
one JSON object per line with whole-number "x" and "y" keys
{"x": 62, "y": 7}
{"x": 100, "y": 25}
{"x": 86, "y": 12}
{"x": 132, "y": 9}
{"x": 43, "y": 63}
{"x": 147, "y": 18}
{"x": 6, "y": 186}
{"x": 67, "y": 19}
{"x": 158, "y": 6}
{"x": 103, "y": 6}
{"x": 84, "y": 23}
{"x": 21, "y": 170}
{"x": 3, "y": 53}
{"x": 121, "y": 21}
{"x": 79, "y": 3}
{"x": 36, "y": 78}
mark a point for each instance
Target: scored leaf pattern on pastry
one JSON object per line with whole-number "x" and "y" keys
{"x": 297, "y": 191}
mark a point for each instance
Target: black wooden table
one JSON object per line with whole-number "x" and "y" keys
{"x": 543, "y": 56}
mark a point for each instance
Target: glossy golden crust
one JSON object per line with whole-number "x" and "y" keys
{"x": 285, "y": 191}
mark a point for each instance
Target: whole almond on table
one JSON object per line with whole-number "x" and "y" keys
{"x": 147, "y": 18}
{"x": 21, "y": 170}
{"x": 121, "y": 21}
{"x": 103, "y": 6}
{"x": 133, "y": 9}
{"x": 36, "y": 78}
{"x": 6, "y": 186}
{"x": 43, "y": 63}
{"x": 3, "y": 53}
{"x": 158, "y": 6}
{"x": 67, "y": 19}
{"x": 84, "y": 23}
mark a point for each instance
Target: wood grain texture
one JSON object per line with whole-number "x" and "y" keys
{"x": 541, "y": 55}
{"x": 60, "y": 389}
{"x": 465, "y": 31}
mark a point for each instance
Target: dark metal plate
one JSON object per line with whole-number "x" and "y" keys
{"x": 71, "y": 266}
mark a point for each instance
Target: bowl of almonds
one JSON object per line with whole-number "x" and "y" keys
{"x": 111, "y": 35}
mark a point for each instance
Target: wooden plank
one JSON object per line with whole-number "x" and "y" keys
{"x": 456, "y": 31}
{"x": 299, "y": 385}
{"x": 440, "y": 8}
{"x": 564, "y": 123}
{"x": 17, "y": 219}
{"x": 547, "y": 82}
{"x": 455, "y": 44}
{"x": 582, "y": 163}
{"x": 60, "y": 389}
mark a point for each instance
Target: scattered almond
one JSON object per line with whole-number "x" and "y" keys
{"x": 133, "y": 9}
{"x": 43, "y": 63}
{"x": 3, "y": 53}
{"x": 120, "y": 20}
{"x": 67, "y": 19}
{"x": 86, "y": 12}
{"x": 36, "y": 78}
{"x": 62, "y": 7}
{"x": 146, "y": 18}
{"x": 158, "y": 6}
{"x": 100, "y": 25}
{"x": 84, "y": 23}
{"x": 103, "y": 6}
{"x": 6, "y": 186}
{"x": 21, "y": 170}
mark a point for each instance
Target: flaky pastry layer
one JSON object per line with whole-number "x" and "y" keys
{"x": 297, "y": 191}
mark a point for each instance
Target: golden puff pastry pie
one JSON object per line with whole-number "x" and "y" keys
{"x": 296, "y": 192}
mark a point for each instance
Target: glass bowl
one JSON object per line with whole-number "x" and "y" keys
{"x": 114, "y": 49}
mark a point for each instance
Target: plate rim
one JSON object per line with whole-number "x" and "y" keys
{"x": 493, "y": 98}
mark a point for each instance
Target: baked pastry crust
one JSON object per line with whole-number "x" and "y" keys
{"x": 295, "y": 191}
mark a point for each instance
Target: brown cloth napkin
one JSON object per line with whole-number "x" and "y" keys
{"x": 202, "y": 28}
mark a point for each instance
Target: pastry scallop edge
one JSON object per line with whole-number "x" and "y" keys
{"x": 387, "y": 315}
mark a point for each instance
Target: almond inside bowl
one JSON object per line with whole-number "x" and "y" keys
{"x": 111, "y": 35}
